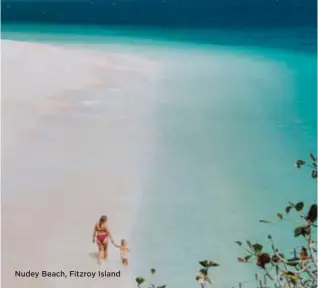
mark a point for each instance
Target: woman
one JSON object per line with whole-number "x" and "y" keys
{"x": 101, "y": 236}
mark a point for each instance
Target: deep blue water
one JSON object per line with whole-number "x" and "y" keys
{"x": 234, "y": 14}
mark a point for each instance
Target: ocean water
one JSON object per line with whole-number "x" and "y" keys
{"x": 231, "y": 126}
{"x": 230, "y": 120}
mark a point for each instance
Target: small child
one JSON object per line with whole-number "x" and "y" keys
{"x": 123, "y": 251}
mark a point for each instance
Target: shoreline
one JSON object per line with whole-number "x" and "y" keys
{"x": 65, "y": 162}
{"x": 187, "y": 35}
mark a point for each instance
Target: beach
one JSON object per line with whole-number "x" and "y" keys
{"x": 65, "y": 163}
{"x": 184, "y": 145}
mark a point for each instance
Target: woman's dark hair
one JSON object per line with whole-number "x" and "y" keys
{"x": 102, "y": 219}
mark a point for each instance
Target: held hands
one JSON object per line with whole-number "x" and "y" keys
{"x": 113, "y": 242}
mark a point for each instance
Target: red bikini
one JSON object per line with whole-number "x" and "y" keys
{"x": 101, "y": 237}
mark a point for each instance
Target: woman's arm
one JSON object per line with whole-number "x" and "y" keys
{"x": 110, "y": 235}
{"x": 94, "y": 234}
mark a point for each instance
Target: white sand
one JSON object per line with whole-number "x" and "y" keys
{"x": 66, "y": 160}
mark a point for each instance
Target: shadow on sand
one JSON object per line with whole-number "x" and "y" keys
{"x": 93, "y": 255}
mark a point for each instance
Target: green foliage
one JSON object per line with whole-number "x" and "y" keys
{"x": 300, "y": 270}
{"x": 312, "y": 165}
{"x": 299, "y": 206}
{"x": 257, "y": 248}
{"x": 288, "y": 209}
{"x": 153, "y": 271}
{"x": 302, "y": 230}
{"x": 265, "y": 221}
{"x": 280, "y": 216}
{"x": 203, "y": 276}
{"x": 142, "y": 282}
{"x": 208, "y": 264}
{"x": 312, "y": 214}
{"x": 139, "y": 281}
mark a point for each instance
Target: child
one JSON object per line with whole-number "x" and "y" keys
{"x": 123, "y": 251}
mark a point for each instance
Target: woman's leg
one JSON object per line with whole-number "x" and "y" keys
{"x": 105, "y": 248}
{"x": 100, "y": 253}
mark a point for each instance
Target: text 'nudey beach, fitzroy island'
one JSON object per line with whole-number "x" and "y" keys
{"x": 68, "y": 274}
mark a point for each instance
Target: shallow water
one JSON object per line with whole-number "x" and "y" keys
{"x": 231, "y": 126}
{"x": 229, "y": 123}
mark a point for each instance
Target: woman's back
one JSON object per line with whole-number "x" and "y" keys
{"x": 101, "y": 228}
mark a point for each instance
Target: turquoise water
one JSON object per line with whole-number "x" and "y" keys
{"x": 231, "y": 125}
{"x": 229, "y": 121}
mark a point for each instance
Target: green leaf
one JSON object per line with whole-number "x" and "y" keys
{"x": 140, "y": 280}
{"x": 265, "y": 221}
{"x": 314, "y": 174}
{"x": 280, "y": 216}
{"x": 248, "y": 257}
{"x": 204, "y": 263}
{"x": 312, "y": 156}
{"x": 257, "y": 248}
{"x": 204, "y": 271}
{"x": 239, "y": 243}
{"x": 312, "y": 213}
{"x": 293, "y": 261}
{"x": 288, "y": 208}
{"x": 249, "y": 244}
{"x": 300, "y": 163}
{"x": 302, "y": 230}
{"x": 299, "y": 206}
{"x": 163, "y": 286}
{"x": 152, "y": 271}
{"x": 298, "y": 231}
{"x": 208, "y": 264}
{"x": 213, "y": 264}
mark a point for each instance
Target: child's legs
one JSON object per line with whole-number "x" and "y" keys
{"x": 124, "y": 261}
